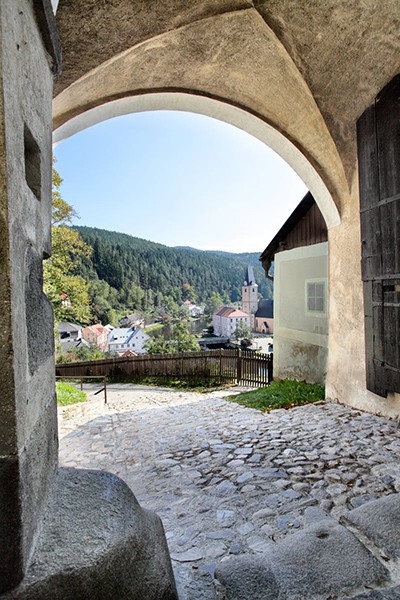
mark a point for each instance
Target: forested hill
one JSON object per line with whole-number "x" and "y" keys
{"x": 145, "y": 272}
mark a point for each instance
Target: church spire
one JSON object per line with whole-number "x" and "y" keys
{"x": 249, "y": 276}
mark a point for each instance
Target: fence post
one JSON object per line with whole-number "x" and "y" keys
{"x": 270, "y": 367}
{"x": 239, "y": 365}
{"x": 220, "y": 365}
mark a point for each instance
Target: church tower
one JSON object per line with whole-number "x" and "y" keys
{"x": 250, "y": 294}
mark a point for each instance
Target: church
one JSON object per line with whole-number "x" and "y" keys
{"x": 261, "y": 311}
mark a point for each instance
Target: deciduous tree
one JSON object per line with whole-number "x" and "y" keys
{"x": 65, "y": 288}
{"x": 181, "y": 340}
{"x": 243, "y": 334}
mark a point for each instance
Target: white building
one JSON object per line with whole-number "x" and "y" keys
{"x": 225, "y": 321}
{"x": 300, "y": 252}
{"x": 122, "y": 339}
{"x": 194, "y": 310}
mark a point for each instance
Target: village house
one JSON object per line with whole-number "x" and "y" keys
{"x": 96, "y": 335}
{"x": 69, "y": 331}
{"x": 264, "y": 317}
{"x": 127, "y": 354}
{"x": 132, "y": 320}
{"x": 226, "y": 319}
{"x": 194, "y": 310}
{"x": 69, "y": 344}
{"x": 300, "y": 254}
{"x": 122, "y": 339}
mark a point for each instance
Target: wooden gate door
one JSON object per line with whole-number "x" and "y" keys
{"x": 378, "y": 132}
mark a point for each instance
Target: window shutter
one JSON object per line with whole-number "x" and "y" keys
{"x": 378, "y": 131}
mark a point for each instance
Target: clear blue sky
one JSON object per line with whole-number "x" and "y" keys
{"x": 179, "y": 179}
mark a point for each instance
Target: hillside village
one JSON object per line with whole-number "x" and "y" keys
{"x": 228, "y": 324}
{"x": 294, "y": 326}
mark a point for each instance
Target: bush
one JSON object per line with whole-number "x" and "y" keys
{"x": 68, "y": 394}
{"x": 281, "y": 394}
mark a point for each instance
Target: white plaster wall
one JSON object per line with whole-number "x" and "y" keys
{"x": 300, "y": 337}
{"x": 217, "y": 325}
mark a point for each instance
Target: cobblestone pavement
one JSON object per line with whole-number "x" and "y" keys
{"x": 225, "y": 479}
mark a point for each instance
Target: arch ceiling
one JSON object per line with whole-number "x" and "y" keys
{"x": 296, "y": 66}
{"x": 218, "y": 110}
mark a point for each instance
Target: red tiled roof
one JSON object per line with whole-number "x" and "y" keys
{"x": 127, "y": 353}
{"x": 98, "y": 329}
{"x": 229, "y": 311}
{"x": 238, "y": 313}
{"x": 225, "y": 311}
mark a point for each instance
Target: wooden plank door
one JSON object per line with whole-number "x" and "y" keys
{"x": 378, "y": 131}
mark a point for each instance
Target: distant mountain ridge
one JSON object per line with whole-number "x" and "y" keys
{"x": 126, "y": 263}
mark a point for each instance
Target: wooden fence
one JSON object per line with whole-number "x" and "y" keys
{"x": 219, "y": 366}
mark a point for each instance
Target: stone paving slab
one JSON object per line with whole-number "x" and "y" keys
{"x": 309, "y": 564}
{"x": 227, "y": 480}
{"x": 379, "y": 521}
{"x": 389, "y": 594}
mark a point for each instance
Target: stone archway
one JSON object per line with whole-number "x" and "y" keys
{"x": 306, "y": 71}
{"x": 219, "y": 110}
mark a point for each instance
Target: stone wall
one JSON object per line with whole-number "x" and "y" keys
{"x": 28, "y": 439}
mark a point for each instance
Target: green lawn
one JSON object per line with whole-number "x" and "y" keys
{"x": 68, "y": 394}
{"x": 154, "y": 327}
{"x": 281, "y": 394}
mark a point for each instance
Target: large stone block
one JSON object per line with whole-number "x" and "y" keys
{"x": 97, "y": 542}
{"x": 379, "y": 521}
{"x": 309, "y": 564}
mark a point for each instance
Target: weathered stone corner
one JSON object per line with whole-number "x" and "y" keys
{"x": 323, "y": 561}
{"x": 97, "y": 542}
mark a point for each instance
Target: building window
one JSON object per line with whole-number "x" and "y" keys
{"x": 316, "y": 297}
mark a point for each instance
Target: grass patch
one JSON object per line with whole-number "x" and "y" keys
{"x": 286, "y": 393}
{"x": 68, "y": 394}
{"x": 154, "y": 327}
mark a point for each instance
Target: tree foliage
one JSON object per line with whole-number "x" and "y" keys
{"x": 243, "y": 334}
{"x": 136, "y": 275}
{"x": 181, "y": 340}
{"x": 65, "y": 288}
